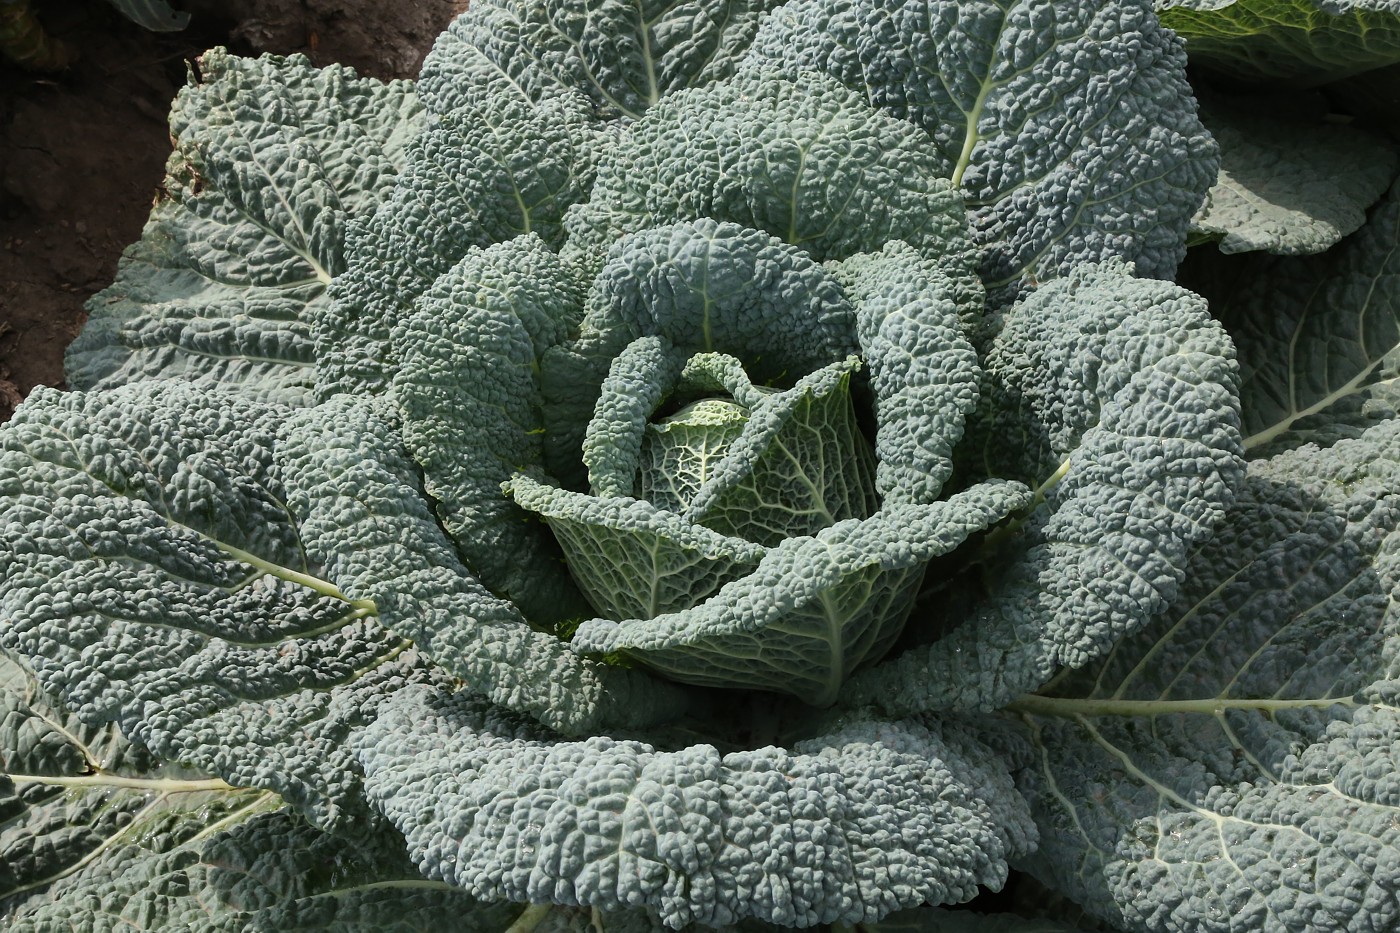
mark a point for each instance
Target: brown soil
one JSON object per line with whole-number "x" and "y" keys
{"x": 82, "y": 151}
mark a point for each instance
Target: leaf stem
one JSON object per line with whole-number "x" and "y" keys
{"x": 324, "y": 587}
{"x": 163, "y": 785}
{"x": 532, "y": 917}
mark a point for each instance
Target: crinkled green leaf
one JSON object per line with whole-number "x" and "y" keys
{"x": 1319, "y": 338}
{"x": 1294, "y": 42}
{"x": 624, "y": 56}
{"x": 254, "y": 872}
{"x": 705, "y": 286}
{"x": 369, "y": 526}
{"x": 846, "y": 828}
{"x": 631, "y": 558}
{"x": 152, "y": 575}
{"x": 1289, "y": 186}
{"x": 807, "y": 160}
{"x": 1237, "y": 763}
{"x": 681, "y": 452}
{"x": 1069, "y": 125}
{"x": 70, "y": 790}
{"x": 923, "y": 369}
{"x": 1115, "y": 398}
{"x": 274, "y": 158}
{"x": 799, "y": 464}
{"x": 638, "y": 380}
{"x": 815, "y": 608}
{"x": 467, "y": 389}
{"x": 478, "y": 176}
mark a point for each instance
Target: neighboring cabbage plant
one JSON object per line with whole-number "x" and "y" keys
{"x": 712, "y": 466}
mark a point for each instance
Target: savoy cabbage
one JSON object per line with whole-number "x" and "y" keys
{"x": 730, "y": 465}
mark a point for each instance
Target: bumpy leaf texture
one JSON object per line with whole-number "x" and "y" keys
{"x": 705, "y": 286}
{"x": 274, "y": 157}
{"x": 69, "y": 790}
{"x": 1069, "y": 126}
{"x": 152, "y": 576}
{"x": 468, "y": 392}
{"x": 845, "y": 828}
{"x": 255, "y": 871}
{"x": 807, "y": 160}
{"x": 624, "y": 56}
{"x": 1319, "y": 339}
{"x": 256, "y": 556}
{"x": 1234, "y": 766}
{"x": 478, "y": 175}
{"x": 1114, "y": 398}
{"x": 815, "y": 608}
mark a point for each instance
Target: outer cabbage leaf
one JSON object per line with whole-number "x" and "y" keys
{"x": 1115, "y": 398}
{"x": 1296, "y": 42}
{"x": 815, "y": 608}
{"x": 151, "y": 575}
{"x": 1289, "y": 186}
{"x": 624, "y": 56}
{"x": 70, "y": 790}
{"x": 273, "y": 159}
{"x": 1319, "y": 339}
{"x": 367, "y": 524}
{"x": 467, "y": 389}
{"x": 845, "y": 828}
{"x": 1237, "y": 763}
{"x": 254, "y": 872}
{"x": 1069, "y": 125}
{"x": 480, "y": 175}
{"x": 807, "y": 160}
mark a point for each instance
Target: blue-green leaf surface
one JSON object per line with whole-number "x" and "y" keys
{"x": 631, "y": 558}
{"x": 467, "y": 390}
{"x": 624, "y": 56}
{"x": 1115, "y": 399}
{"x": 1234, "y": 765}
{"x": 815, "y": 608}
{"x": 367, "y": 523}
{"x": 152, "y": 575}
{"x": 807, "y": 160}
{"x": 480, "y": 175}
{"x": 1069, "y": 125}
{"x": 273, "y": 159}
{"x": 705, "y": 286}
{"x": 70, "y": 790}
{"x": 253, "y": 871}
{"x": 847, "y": 827}
{"x": 1289, "y": 184}
{"x": 638, "y": 380}
{"x": 1319, "y": 339}
{"x": 914, "y": 336}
